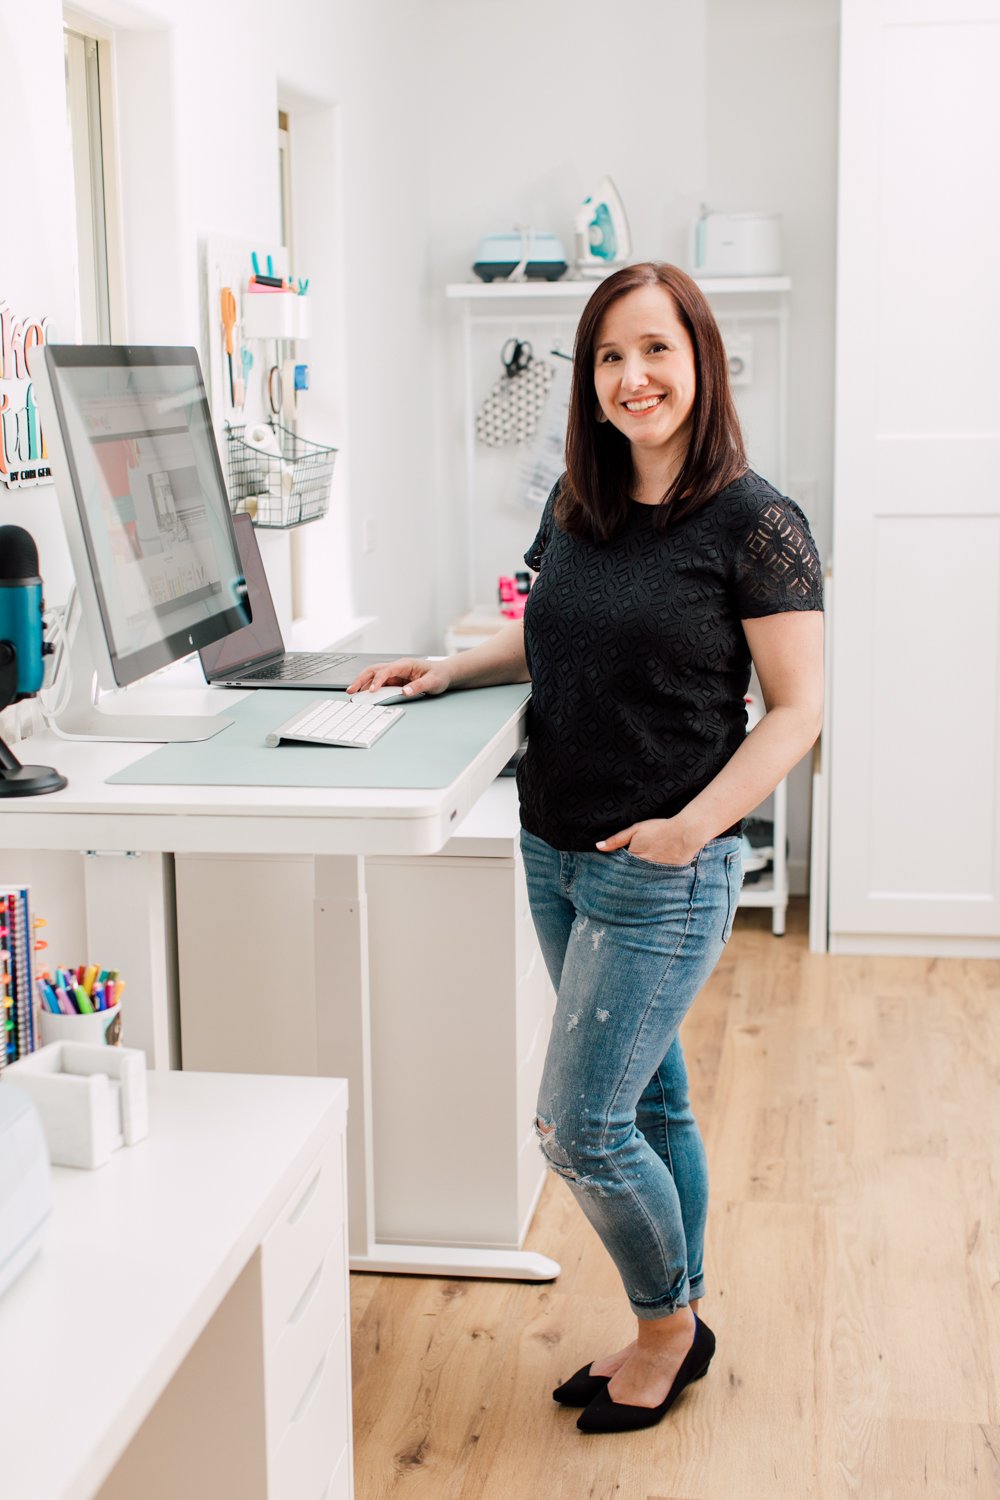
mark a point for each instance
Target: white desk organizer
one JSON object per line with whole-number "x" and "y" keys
{"x": 91, "y": 1099}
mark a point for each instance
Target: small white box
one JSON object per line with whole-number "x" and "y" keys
{"x": 275, "y": 315}
{"x": 737, "y": 245}
{"x": 91, "y": 1099}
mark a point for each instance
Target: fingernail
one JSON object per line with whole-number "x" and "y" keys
{"x": 601, "y": 843}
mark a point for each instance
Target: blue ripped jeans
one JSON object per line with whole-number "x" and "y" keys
{"x": 628, "y": 945}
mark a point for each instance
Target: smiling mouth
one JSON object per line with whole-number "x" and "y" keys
{"x": 648, "y": 403}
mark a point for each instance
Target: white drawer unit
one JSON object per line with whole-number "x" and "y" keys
{"x": 309, "y": 1329}
{"x": 294, "y": 1248}
{"x": 279, "y": 1350}
{"x": 306, "y": 1361}
{"x": 316, "y": 1438}
{"x": 221, "y": 1366}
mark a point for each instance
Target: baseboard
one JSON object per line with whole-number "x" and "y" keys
{"x": 913, "y": 945}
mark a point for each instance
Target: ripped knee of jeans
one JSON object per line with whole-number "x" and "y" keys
{"x": 555, "y": 1154}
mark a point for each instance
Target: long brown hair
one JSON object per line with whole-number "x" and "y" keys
{"x": 593, "y": 500}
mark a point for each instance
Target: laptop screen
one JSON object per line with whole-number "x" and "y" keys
{"x": 259, "y": 640}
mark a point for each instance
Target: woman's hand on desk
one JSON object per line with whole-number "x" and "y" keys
{"x": 417, "y": 678}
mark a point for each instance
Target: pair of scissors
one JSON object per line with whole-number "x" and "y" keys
{"x": 518, "y": 358}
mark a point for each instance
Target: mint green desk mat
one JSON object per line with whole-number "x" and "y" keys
{"x": 428, "y": 747}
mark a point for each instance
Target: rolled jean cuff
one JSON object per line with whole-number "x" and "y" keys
{"x": 696, "y": 1289}
{"x": 648, "y": 1312}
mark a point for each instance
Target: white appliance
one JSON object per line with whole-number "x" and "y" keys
{"x": 737, "y": 245}
{"x": 25, "y": 1188}
{"x": 601, "y": 239}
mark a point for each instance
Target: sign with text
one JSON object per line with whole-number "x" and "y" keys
{"x": 23, "y": 456}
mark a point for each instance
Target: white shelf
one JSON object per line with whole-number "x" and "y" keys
{"x": 478, "y": 291}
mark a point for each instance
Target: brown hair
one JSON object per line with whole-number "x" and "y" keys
{"x": 593, "y": 500}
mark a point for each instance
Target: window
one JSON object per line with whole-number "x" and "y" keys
{"x": 88, "y": 105}
{"x": 285, "y": 180}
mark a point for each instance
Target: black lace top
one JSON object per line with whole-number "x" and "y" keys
{"x": 638, "y": 659}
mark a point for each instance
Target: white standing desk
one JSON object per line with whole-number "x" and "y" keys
{"x": 130, "y": 907}
{"x": 184, "y": 1329}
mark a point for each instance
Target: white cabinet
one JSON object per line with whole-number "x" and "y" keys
{"x": 915, "y": 755}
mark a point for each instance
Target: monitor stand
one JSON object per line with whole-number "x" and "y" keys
{"x": 85, "y": 717}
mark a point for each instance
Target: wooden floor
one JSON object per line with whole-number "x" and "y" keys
{"x": 851, "y": 1111}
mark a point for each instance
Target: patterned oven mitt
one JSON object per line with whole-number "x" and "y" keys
{"x": 511, "y": 411}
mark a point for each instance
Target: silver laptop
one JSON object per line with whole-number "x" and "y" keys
{"x": 255, "y": 655}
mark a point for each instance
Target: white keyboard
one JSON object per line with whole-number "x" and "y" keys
{"x": 334, "y": 722}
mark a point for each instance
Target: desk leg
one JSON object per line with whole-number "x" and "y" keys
{"x": 343, "y": 1029}
{"x": 343, "y": 1050}
{"x": 131, "y": 927}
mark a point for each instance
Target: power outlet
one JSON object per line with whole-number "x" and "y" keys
{"x": 369, "y": 536}
{"x": 739, "y": 352}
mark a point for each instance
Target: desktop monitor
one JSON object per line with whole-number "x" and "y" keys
{"x": 140, "y": 486}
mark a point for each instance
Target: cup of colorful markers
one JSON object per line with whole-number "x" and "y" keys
{"x": 80, "y": 1005}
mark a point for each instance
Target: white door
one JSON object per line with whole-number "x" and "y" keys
{"x": 915, "y": 769}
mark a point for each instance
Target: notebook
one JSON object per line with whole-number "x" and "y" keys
{"x": 255, "y": 655}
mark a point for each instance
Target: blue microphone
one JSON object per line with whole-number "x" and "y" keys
{"x": 21, "y": 651}
{"x": 21, "y": 608}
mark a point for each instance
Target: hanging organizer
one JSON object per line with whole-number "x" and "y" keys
{"x": 283, "y": 488}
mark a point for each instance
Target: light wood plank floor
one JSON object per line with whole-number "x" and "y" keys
{"x": 851, "y": 1111}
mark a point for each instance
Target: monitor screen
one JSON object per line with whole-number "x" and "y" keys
{"x": 260, "y": 639}
{"x": 150, "y": 499}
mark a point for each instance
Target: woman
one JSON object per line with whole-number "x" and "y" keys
{"x": 664, "y": 566}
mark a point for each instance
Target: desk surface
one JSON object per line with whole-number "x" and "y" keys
{"x": 89, "y": 814}
{"x": 136, "y": 1258}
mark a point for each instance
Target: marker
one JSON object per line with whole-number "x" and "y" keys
{"x": 90, "y": 975}
{"x": 47, "y": 996}
{"x": 83, "y": 1004}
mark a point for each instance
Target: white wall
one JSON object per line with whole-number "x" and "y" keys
{"x": 771, "y": 134}
{"x": 530, "y": 105}
{"x": 199, "y": 87}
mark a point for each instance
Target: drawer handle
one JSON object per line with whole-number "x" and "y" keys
{"x": 303, "y": 1203}
{"x": 307, "y": 1295}
{"x": 310, "y": 1392}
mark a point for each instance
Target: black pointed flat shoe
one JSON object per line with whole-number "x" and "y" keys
{"x": 603, "y": 1414}
{"x": 581, "y": 1388}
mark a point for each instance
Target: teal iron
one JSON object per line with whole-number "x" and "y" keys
{"x": 601, "y": 236}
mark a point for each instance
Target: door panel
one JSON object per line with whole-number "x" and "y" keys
{"x": 915, "y": 758}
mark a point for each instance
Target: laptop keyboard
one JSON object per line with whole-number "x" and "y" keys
{"x": 295, "y": 668}
{"x": 337, "y": 723}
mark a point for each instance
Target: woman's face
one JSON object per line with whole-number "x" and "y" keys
{"x": 644, "y": 371}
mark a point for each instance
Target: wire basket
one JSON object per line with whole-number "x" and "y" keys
{"x": 279, "y": 490}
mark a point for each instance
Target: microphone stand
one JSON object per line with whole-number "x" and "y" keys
{"x": 17, "y": 780}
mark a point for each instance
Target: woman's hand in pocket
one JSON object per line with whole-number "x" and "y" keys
{"x": 662, "y": 841}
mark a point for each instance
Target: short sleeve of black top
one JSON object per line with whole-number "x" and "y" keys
{"x": 638, "y": 659}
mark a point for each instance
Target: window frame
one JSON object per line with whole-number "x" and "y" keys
{"x": 102, "y": 35}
